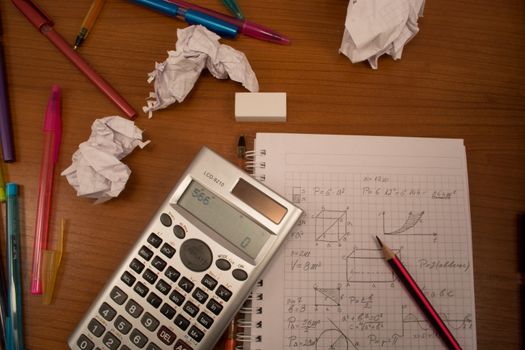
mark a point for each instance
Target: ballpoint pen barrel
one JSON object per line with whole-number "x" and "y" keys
{"x": 191, "y": 16}
{"x": 42, "y": 216}
{"x": 14, "y": 333}
{"x": 245, "y": 27}
{"x": 234, "y": 8}
{"x": 6, "y": 132}
{"x": 82, "y": 65}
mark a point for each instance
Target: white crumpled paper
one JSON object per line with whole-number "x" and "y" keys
{"x": 377, "y": 27}
{"x": 96, "y": 171}
{"x": 196, "y": 48}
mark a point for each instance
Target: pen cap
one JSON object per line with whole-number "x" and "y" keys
{"x": 216, "y": 25}
{"x": 161, "y": 6}
{"x": 11, "y": 189}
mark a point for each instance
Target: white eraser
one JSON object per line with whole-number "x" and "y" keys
{"x": 260, "y": 106}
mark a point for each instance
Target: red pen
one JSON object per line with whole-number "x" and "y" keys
{"x": 44, "y": 24}
{"x": 52, "y": 137}
{"x": 420, "y": 299}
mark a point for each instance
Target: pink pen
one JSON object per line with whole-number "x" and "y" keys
{"x": 52, "y": 137}
{"x": 245, "y": 27}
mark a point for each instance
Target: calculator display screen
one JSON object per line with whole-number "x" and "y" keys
{"x": 228, "y": 222}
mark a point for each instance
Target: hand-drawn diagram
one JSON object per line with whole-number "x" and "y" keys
{"x": 331, "y": 225}
{"x": 327, "y": 296}
{"x": 412, "y": 220}
{"x": 334, "y": 339}
{"x": 367, "y": 266}
{"x": 423, "y": 323}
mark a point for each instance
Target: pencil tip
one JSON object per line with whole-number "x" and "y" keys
{"x": 380, "y": 243}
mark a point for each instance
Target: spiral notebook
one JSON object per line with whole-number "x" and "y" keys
{"x": 329, "y": 287}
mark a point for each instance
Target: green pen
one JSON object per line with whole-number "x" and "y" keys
{"x": 234, "y": 8}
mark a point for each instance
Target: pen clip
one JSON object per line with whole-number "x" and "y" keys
{"x": 34, "y": 13}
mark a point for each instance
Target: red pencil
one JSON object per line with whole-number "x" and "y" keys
{"x": 416, "y": 293}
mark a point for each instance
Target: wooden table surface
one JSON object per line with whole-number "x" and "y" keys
{"x": 462, "y": 76}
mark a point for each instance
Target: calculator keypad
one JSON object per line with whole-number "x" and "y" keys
{"x": 155, "y": 305}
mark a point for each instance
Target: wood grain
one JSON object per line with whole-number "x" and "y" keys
{"x": 462, "y": 76}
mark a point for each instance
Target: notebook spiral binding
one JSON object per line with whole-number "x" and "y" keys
{"x": 248, "y": 321}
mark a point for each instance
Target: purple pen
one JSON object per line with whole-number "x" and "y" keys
{"x": 6, "y": 132}
{"x": 245, "y": 27}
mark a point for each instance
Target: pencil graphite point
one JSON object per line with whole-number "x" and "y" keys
{"x": 380, "y": 243}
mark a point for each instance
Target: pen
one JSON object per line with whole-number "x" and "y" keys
{"x": 14, "y": 333}
{"x": 418, "y": 296}
{"x": 245, "y": 27}
{"x": 191, "y": 16}
{"x": 88, "y": 22}
{"x": 52, "y": 136}
{"x": 44, "y": 25}
{"x": 234, "y": 8}
{"x": 6, "y": 131}
{"x": 229, "y": 344}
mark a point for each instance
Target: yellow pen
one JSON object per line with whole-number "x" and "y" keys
{"x": 89, "y": 20}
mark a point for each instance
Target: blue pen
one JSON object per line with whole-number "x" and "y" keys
{"x": 14, "y": 334}
{"x": 191, "y": 16}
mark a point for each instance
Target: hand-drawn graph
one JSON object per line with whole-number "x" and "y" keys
{"x": 423, "y": 323}
{"x": 331, "y": 226}
{"x": 368, "y": 266}
{"x": 327, "y": 296}
{"x": 334, "y": 339}
{"x": 411, "y": 221}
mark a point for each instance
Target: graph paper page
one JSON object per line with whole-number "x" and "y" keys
{"x": 330, "y": 288}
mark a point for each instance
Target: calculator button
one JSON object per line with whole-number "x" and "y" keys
{"x": 179, "y": 232}
{"x": 118, "y": 295}
{"x": 167, "y": 311}
{"x": 163, "y": 287}
{"x": 133, "y": 308}
{"x": 150, "y": 276}
{"x": 136, "y": 266}
{"x": 196, "y": 333}
{"x": 223, "y": 264}
{"x": 177, "y": 298}
{"x": 158, "y": 263}
{"x": 154, "y": 240}
{"x": 209, "y": 282}
{"x": 182, "y": 322}
{"x": 191, "y": 309}
{"x": 145, "y": 252}
{"x": 124, "y": 347}
{"x": 152, "y": 346}
{"x": 196, "y": 255}
{"x": 128, "y": 278}
{"x": 138, "y": 339}
{"x": 186, "y": 284}
{"x": 122, "y": 325}
{"x": 200, "y": 295}
{"x": 141, "y": 289}
{"x": 150, "y": 322}
{"x": 154, "y": 299}
{"x": 165, "y": 219}
{"x": 107, "y": 312}
{"x": 214, "y": 306}
{"x": 84, "y": 343}
{"x": 205, "y": 320}
{"x": 111, "y": 341}
{"x": 96, "y": 328}
{"x": 172, "y": 274}
{"x": 182, "y": 346}
{"x": 167, "y": 250}
{"x": 166, "y": 336}
{"x": 224, "y": 293}
{"x": 240, "y": 275}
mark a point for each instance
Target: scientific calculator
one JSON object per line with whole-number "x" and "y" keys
{"x": 194, "y": 264}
